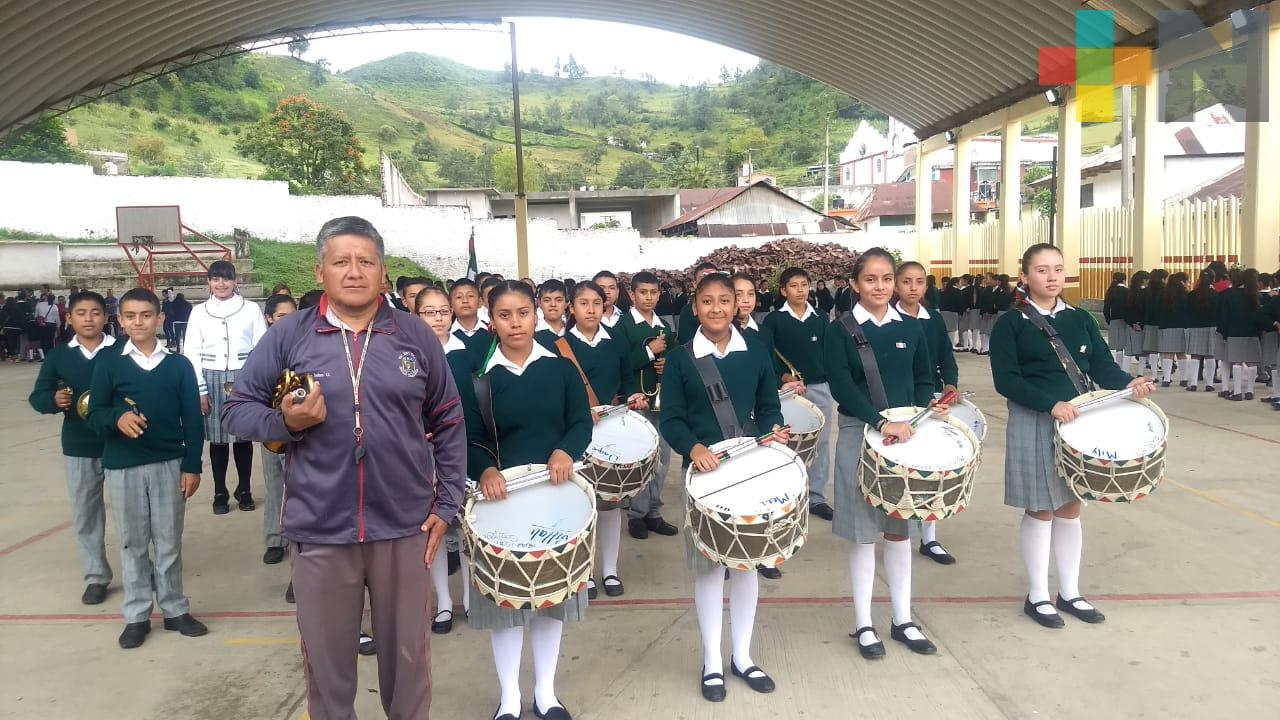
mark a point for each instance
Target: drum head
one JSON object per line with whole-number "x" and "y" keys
{"x": 624, "y": 438}
{"x": 803, "y": 416}
{"x": 1121, "y": 430}
{"x": 760, "y": 481}
{"x": 936, "y": 445}
{"x": 536, "y": 517}
{"x": 969, "y": 414}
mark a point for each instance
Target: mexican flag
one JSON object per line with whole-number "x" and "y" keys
{"x": 472, "y": 267}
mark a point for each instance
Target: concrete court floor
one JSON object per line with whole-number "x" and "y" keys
{"x": 1187, "y": 579}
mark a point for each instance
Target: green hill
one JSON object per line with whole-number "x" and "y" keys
{"x": 444, "y": 121}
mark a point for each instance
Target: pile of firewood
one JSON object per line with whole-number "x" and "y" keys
{"x": 824, "y": 261}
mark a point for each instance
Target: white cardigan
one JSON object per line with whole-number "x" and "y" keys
{"x": 221, "y": 334}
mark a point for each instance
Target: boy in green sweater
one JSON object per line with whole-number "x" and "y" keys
{"x": 64, "y": 379}
{"x": 145, "y": 404}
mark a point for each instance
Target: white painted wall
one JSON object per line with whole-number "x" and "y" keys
{"x": 1182, "y": 174}
{"x": 28, "y": 264}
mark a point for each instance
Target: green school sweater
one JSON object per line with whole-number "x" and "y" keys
{"x": 542, "y": 410}
{"x": 644, "y": 377}
{"x": 167, "y": 395}
{"x": 478, "y": 344}
{"x": 1176, "y": 316}
{"x": 1236, "y": 316}
{"x": 800, "y": 342}
{"x": 69, "y": 365}
{"x": 688, "y": 323}
{"x": 942, "y": 358}
{"x": 605, "y": 365}
{"x": 1027, "y": 371}
{"x": 686, "y": 418}
{"x": 463, "y": 369}
{"x": 902, "y": 356}
{"x": 1202, "y": 315}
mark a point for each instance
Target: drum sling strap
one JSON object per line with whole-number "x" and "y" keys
{"x": 566, "y": 352}
{"x": 484, "y": 398}
{"x": 717, "y": 393}
{"x": 1059, "y": 348}
{"x": 870, "y": 368}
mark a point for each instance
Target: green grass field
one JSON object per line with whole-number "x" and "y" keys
{"x": 294, "y": 264}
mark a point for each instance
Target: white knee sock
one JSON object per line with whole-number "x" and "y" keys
{"x": 1224, "y": 371}
{"x": 928, "y": 532}
{"x": 1036, "y": 537}
{"x": 1139, "y": 365}
{"x": 1193, "y": 371}
{"x": 440, "y": 579}
{"x": 708, "y": 600}
{"x": 465, "y": 572}
{"x": 954, "y": 335}
{"x": 609, "y": 535}
{"x": 1250, "y": 377}
{"x": 544, "y": 636}
{"x": 897, "y": 570}
{"x": 1275, "y": 383}
{"x": 1237, "y": 377}
{"x": 744, "y": 593}
{"x": 1166, "y": 369}
{"x": 1153, "y": 361}
{"x": 1210, "y": 368}
{"x": 1068, "y": 540}
{"x": 507, "y": 646}
{"x": 862, "y": 566}
{"x": 1118, "y": 356}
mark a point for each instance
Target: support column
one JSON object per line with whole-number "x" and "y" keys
{"x": 925, "y": 252}
{"x": 1010, "y": 198}
{"x": 1067, "y": 212}
{"x": 1148, "y": 169}
{"x": 1260, "y": 239}
{"x": 960, "y": 207}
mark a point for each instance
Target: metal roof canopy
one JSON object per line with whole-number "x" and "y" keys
{"x": 935, "y": 64}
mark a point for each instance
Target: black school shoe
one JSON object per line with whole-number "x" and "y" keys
{"x": 1091, "y": 615}
{"x": 761, "y": 683}
{"x": 921, "y": 647}
{"x": 770, "y": 573}
{"x": 94, "y": 594}
{"x": 221, "y": 505}
{"x": 660, "y": 526}
{"x": 615, "y": 588}
{"x": 873, "y": 651}
{"x": 273, "y": 556}
{"x": 556, "y": 712}
{"x": 367, "y": 647}
{"x": 714, "y": 693}
{"x": 442, "y": 627}
{"x": 134, "y": 634}
{"x": 186, "y": 625}
{"x": 822, "y": 510}
{"x": 942, "y": 558}
{"x": 637, "y": 528}
{"x": 1050, "y": 620}
{"x": 245, "y": 502}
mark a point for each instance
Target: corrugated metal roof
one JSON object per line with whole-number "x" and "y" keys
{"x": 933, "y": 63}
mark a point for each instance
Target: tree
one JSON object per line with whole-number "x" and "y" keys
{"x": 388, "y": 134}
{"x": 42, "y": 141}
{"x": 311, "y": 145}
{"x": 504, "y": 172}
{"x": 463, "y": 168}
{"x": 320, "y": 72}
{"x": 1039, "y": 199}
{"x": 425, "y": 147}
{"x": 725, "y": 77}
{"x": 199, "y": 163}
{"x": 593, "y": 155}
{"x": 252, "y": 79}
{"x": 573, "y": 69}
{"x": 635, "y": 174}
{"x": 147, "y": 148}
{"x": 299, "y": 47}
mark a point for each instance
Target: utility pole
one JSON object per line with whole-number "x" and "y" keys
{"x": 522, "y": 201}
{"x": 1053, "y": 193}
{"x": 826, "y": 171}
{"x": 1126, "y": 143}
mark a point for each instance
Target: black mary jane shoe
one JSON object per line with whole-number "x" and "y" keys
{"x": 1192, "y": 388}
{"x": 761, "y": 683}
{"x": 1164, "y": 383}
{"x": 942, "y": 558}
{"x": 367, "y": 646}
{"x": 1248, "y": 396}
{"x": 873, "y": 651}
{"x": 615, "y": 588}
{"x": 923, "y": 646}
{"x": 504, "y": 716}
{"x": 442, "y": 627}
{"x": 1238, "y": 397}
{"x": 713, "y": 693}
{"x": 1050, "y": 620}
{"x": 1183, "y": 383}
{"x": 555, "y": 712}
{"x": 770, "y": 573}
{"x": 592, "y": 591}
{"x": 1091, "y": 615}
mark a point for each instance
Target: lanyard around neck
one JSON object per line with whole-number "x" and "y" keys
{"x": 355, "y": 373}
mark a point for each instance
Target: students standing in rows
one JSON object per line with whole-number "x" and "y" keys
{"x": 1134, "y": 342}
{"x": 1238, "y": 319}
{"x": 798, "y": 332}
{"x": 221, "y": 333}
{"x": 540, "y": 413}
{"x": 649, "y": 341}
{"x": 1173, "y": 320}
{"x": 1202, "y": 313}
{"x": 1027, "y": 371}
{"x": 987, "y": 298}
{"x": 691, "y": 425}
{"x": 608, "y": 282}
{"x": 1113, "y": 305}
{"x": 911, "y": 290}
{"x": 902, "y": 373}
{"x": 949, "y": 301}
{"x": 1152, "y": 300}
{"x": 467, "y": 325}
{"x": 64, "y": 378}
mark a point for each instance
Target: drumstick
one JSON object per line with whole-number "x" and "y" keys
{"x": 612, "y": 409}
{"x": 786, "y": 394}
{"x": 749, "y": 444}
{"x": 530, "y": 480}
{"x": 1103, "y": 399}
{"x": 919, "y": 417}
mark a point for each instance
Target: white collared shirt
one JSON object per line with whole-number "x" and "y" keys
{"x": 702, "y": 345}
{"x": 808, "y": 310}
{"x": 538, "y": 352}
{"x": 453, "y": 343}
{"x": 861, "y": 315}
{"x": 751, "y": 324}
{"x": 1057, "y": 308}
{"x": 221, "y": 334}
{"x": 332, "y": 318}
{"x": 922, "y": 314}
{"x": 144, "y": 361}
{"x": 544, "y": 325}
{"x": 482, "y": 314}
{"x": 657, "y": 321}
{"x": 613, "y": 317}
{"x": 601, "y": 334}
{"x": 480, "y": 325}
{"x": 106, "y": 342}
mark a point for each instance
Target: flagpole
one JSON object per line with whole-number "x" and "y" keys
{"x": 522, "y": 201}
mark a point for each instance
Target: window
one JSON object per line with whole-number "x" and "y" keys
{"x": 987, "y": 174}
{"x": 935, "y": 174}
{"x": 879, "y": 165}
{"x": 1086, "y": 196}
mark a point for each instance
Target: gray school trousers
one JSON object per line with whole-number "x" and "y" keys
{"x": 149, "y": 510}
{"x": 820, "y": 394}
{"x": 273, "y": 474}
{"x": 648, "y": 502}
{"x": 89, "y": 516}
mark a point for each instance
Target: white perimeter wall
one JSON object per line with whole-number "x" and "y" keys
{"x": 70, "y": 201}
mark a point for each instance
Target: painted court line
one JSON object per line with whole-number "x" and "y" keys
{"x": 35, "y": 538}
{"x": 1238, "y": 595}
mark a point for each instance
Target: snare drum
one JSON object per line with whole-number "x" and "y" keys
{"x": 753, "y": 510}
{"x": 1114, "y": 452}
{"x": 929, "y": 477}
{"x": 533, "y": 549}
{"x": 969, "y": 414}
{"x": 806, "y": 423}
{"x": 623, "y": 455}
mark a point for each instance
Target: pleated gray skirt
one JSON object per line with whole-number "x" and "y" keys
{"x": 1219, "y": 347}
{"x": 1243, "y": 350}
{"x": 216, "y": 381}
{"x": 486, "y": 615}
{"x": 1151, "y": 338}
{"x": 1133, "y": 342}
{"x": 855, "y": 519}
{"x": 1270, "y": 347}
{"x": 951, "y": 320}
{"x": 1200, "y": 341}
{"x": 1117, "y": 335}
{"x": 1031, "y": 481}
{"x": 986, "y": 322}
{"x": 1173, "y": 340}
{"x": 971, "y": 319}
